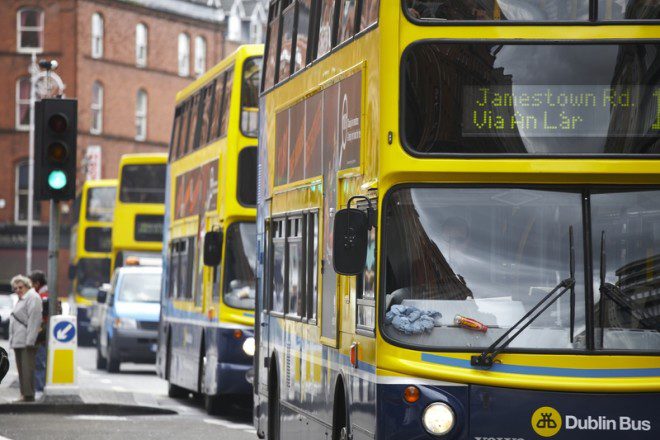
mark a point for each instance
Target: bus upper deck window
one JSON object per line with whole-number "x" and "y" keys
{"x": 524, "y": 10}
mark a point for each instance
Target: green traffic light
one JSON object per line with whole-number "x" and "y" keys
{"x": 57, "y": 179}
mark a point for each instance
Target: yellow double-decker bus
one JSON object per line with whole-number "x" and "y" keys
{"x": 90, "y": 249}
{"x": 137, "y": 229}
{"x": 206, "y": 338}
{"x": 458, "y": 220}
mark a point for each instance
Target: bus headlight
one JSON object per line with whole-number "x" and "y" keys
{"x": 248, "y": 346}
{"x": 438, "y": 418}
{"x": 125, "y": 323}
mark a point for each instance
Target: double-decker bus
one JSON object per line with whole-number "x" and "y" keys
{"x": 206, "y": 339}
{"x": 459, "y": 220}
{"x": 90, "y": 246}
{"x": 137, "y": 230}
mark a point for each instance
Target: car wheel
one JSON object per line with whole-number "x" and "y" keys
{"x": 113, "y": 360}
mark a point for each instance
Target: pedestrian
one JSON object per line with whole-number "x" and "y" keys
{"x": 24, "y": 325}
{"x": 39, "y": 284}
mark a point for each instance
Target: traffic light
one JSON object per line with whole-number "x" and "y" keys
{"x": 55, "y": 149}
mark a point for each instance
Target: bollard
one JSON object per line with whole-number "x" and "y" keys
{"x": 61, "y": 375}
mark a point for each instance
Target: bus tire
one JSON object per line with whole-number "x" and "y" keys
{"x": 213, "y": 405}
{"x": 176, "y": 392}
{"x": 274, "y": 416}
{"x": 340, "y": 426}
{"x": 101, "y": 363}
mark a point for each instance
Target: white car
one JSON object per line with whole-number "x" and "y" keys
{"x": 7, "y": 303}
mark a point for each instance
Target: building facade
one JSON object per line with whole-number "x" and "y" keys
{"x": 124, "y": 61}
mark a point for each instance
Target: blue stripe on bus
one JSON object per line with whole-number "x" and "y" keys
{"x": 249, "y": 315}
{"x": 546, "y": 371}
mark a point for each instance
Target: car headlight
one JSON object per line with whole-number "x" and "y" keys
{"x": 249, "y": 346}
{"x": 438, "y": 418}
{"x": 125, "y": 323}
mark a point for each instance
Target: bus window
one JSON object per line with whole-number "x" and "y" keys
{"x": 250, "y": 97}
{"x": 142, "y": 184}
{"x": 366, "y": 288}
{"x": 369, "y": 14}
{"x": 628, "y": 9}
{"x": 279, "y": 269}
{"x": 182, "y": 148}
{"x": 302, "y": 34}
{"x": 246, "y": 190}
{"x": 91, "y": 273}
{"x": 286, "y": 46}
{"x": 270, "y": 73}
{"x": 217, "y": 103}
{"x": 176, "y": 132}
{"x": 295, "y": 267}
{"x": 100, "y": 204}
{"x": 98, "y": 239}
{"x": 240, "y": 263}
{"x": 207, "y": 114}
{"x": 326, "y": 28}
{"x": 312, "y": 252}
{"x": 346, "y": 20}
{"x": 193, "y": 139}
{"x": 226, "y": 102}
{"x": 523, "y": 10}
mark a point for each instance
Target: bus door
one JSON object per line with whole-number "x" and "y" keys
{"x": 264, "y": 286}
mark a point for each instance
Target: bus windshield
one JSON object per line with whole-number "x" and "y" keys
{"x": 91, "y": 273}
{"x": 240, "y": 261}
{"x": 250, "y": 96}
{"x": 491, "y": 254}
{"x": 139, "y": 287}
{"x": 100, "y": 203}
{"x": 540, "y": 99}
{"x": 142, "y": 183}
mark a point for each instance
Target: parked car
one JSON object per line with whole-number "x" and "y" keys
{"x": 7, "y": 302}
{"x": 129, "y": 314}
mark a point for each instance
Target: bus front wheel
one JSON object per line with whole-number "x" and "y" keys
{"x": 273, "y": 404}
{"x": 340, "y": 415}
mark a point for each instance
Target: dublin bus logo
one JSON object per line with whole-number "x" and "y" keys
{"x": 546, "y": 421}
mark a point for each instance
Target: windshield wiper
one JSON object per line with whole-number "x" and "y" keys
{"x": 487, "y": 358}
{"x": 613, "y": 292}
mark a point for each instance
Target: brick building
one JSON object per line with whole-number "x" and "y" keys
{"x": 124, "y": 60}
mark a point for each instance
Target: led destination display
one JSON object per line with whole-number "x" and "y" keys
{"x": 558, "y": 110}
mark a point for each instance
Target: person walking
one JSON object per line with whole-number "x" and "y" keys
{"x": 24, "y": 325}
{"x": 39, "y": 284}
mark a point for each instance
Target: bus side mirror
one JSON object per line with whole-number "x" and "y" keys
{"x": 72, "y": 271}
{"x": 212, "y": 248}
{"x": 350, "y": 241}
{"x": 102, "y": 293}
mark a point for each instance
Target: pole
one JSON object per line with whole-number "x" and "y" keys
{"x": 53, "y": 253}
{"x": 34, "y": 71}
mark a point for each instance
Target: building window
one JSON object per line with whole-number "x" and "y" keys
{"x": 30, "y": 30}
{"x": 97, "y": 108}
{"x": 184, "y": 55}
{"x": 256, "y": 32}
{"x": 23, "y": 104}
{"x": 97, "y": 35}
{"x": 21, "y": 191}
{"x": 140, "y": 45}
{"x": 141, "y": 115}
{"x": 200, "y": 56}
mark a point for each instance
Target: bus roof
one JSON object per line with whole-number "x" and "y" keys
{"x": 242, "y": 52}
{"x": 141, "y": 158}
{"x": 99, "y": 183}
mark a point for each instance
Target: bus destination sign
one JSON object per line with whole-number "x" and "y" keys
{"x": 560, "y": 110}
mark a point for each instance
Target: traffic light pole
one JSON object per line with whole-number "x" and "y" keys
{"x": 53, "y": 254}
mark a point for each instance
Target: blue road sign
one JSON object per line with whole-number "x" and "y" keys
{"x": 64, "y": 331}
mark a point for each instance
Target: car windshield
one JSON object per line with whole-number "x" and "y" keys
{"x": 462, "y": 265}
{"x": 139, "y": 287}
{"x": 240, "y": 261}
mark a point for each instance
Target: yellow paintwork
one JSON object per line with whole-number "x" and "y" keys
{"x": 382, "y": 166}
{"x": 78, "y": 234}
{"x": 225, "y": 152}
{"x": 123, "y": 227}
{"x": 63, "y": 369}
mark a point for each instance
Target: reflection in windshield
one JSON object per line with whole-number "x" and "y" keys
{"x": 240, "y": 261}
{"x": 484, "y": 254}
{"x": 91, "y": 273}
{"x": 629, "y": 223}
{"x": 100, "y": 203}
{"x": 139, "y": 287}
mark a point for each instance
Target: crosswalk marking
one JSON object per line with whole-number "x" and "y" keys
{"x": 98, "y": 418}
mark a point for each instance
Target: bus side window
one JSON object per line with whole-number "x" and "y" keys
{"x": 272, "y": 44}
{"x": 176, "y": 130}
{"x": 369, "y": 13}
{"x": 217, "y": 104}
{"x": 312, "y": 246}
{"x": 327, "y": 27}
{"x": 296, "y": 268}
{"x": 346, "y": 20}
{"x": 303, "y": 27}
{"x": 194, "y": 123}
{"x": 287, "y": 42}
{"x": 226, "y": 101}
{"x": 207, "y": 114}
{"x": 278, "y": 267}
{"x": 185, "y": 128}
{"x": 366, "y": 288}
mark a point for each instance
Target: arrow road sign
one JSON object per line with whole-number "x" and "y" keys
{"x": 64, "y": 331}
